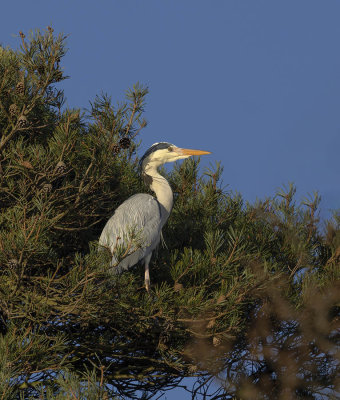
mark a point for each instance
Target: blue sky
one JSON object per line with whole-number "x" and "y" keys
{"x": 255, "y": 82}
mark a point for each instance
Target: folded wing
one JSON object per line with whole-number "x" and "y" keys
{"x": 134, "y": 230}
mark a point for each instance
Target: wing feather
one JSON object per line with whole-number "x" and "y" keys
{"x": 136, "y": 227}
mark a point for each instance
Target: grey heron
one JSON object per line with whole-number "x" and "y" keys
{"x": 142, "y": 212}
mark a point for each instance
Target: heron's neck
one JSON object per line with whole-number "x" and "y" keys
{"x": 162, "y": 190}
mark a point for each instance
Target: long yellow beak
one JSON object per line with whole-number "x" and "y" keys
{"x": 191, "y": 152}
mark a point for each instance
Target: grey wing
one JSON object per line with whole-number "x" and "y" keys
{"x": 134, "y": 228}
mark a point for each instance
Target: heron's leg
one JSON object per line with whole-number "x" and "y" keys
{"x": 147, "y": 272}
{"x": 147, "y": 277}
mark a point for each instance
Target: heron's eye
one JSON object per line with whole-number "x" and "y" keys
{"x": 170, "y": 148}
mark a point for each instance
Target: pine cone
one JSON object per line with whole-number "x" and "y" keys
{"x": 178, "y": 287}
{"x": 27, "y": 164}
{"x": 116, "y": 148}
{"x": 125, "y": 143}
{"x": 22, "y": 122}
{"x": 13, "y": 110}
{"x": 211, "y": 324}
{"x": 60, "y": 168}
{"x": 20, "y": 88}
{"x": 46, "y": 187}
{"x": 216, "y": 341}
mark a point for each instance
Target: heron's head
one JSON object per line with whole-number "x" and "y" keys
{"x": 163, "y": 152}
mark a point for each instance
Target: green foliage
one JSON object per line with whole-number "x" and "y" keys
{"x": 241, "y": 293}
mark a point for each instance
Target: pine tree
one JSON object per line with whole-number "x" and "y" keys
{"x": 243, "y": 295}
